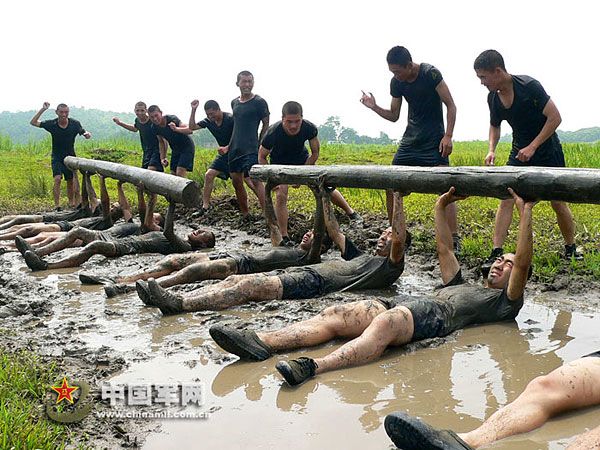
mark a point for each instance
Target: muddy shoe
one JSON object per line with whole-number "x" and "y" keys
{"x": 34, "y": 262}
{"x": 487, "y": 264}
{"x": 297, "y": 371}
{"x": 86, "y": 278}
{"x": 112, "y": 289}
{"x": 355, "y": 217}
{"x": 143, "y": 292}
{"x": 22, "y": 245}
{"x": 244, "y": 344}
{"x": 167, "y": 303}
{"x": 410, "y": 433}
{"x": 572, "y": 253}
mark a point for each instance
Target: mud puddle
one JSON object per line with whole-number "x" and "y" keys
{"x": 454, "y": 382}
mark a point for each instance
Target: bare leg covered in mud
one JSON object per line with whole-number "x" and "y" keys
{"x": 7, "y": 222}
{"x": 165, "y": 266}
{"x": 28, "y": 230}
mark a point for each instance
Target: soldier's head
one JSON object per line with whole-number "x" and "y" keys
{"x": 490, "y": 69}
{"x": 62, "y": 111}
{"x": 213, "y": 111}
{"x": 291, "y": 118}
{"x": 399, "y": 62}
{"x": 156, "y": 115}
{"x": 140, "y": 110}
{"x": 245, "y": 81}
{"x": 201, "y": 238}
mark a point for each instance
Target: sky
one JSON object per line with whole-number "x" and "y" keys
{"x": 109, "y": 54}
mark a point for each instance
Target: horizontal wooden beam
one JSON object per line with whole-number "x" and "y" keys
{"x": 534, "y": 183}
{"x": 176, "y": 189}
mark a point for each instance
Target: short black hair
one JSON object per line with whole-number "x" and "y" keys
{"x": 62, "y": 105}
{"x": 399, "y": 55}
{"x": 489, "y": 60}
{"x": 153, "y": 108}
{"x": 140, "y": 104}
{"x": 211, "y": 104}
{"x": 291, "y": 108}
{"x": 244, "y": 73}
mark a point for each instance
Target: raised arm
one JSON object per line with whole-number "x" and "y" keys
{"x": 524, "y": 253}
{"x": 141, "y": 203}
{"x": 270, "y": 216}
{"x": 149, "y": 217}
{"x": 493, "y": 139}
{"x": 85, "y": 197}
{"x": 398, "y": 229}
{"x": 169, "y": 221}
{"x": 125, "y": 125}
{"x": 192, "y": 124}
{"x": 331, "y": 223}
{"x": 315, "y": 148}
{"x": 35, "y": 120}
{"x": 123, "y": 202}
{"x": 553, "y": 120}
{"x": 446, "y": 98}
{"x": 449, "y": 265}
{"x": 104, "y": 198}
{"x": 391, "y": 114}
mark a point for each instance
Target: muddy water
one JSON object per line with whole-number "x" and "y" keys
{"x": 452, "y": 383}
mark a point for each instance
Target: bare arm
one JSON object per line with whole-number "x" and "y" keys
{"x": 128, "y": 127}
{"x": 149, "y": 216}
{"x": 35, "y": 120}
{"x": 444, "y": 93}
{"x": 331, "y": 223}
{"x": 315, "y": 148}
{"x": 181, "y": 129}
{"x": 449, "y": 265}
{"x": 123, "y": 202}
{"x": 104, "y": 198}
{"x": 391, "y": 114}
{"x": 270, "y": 216}
{"x": 262, "y": 155}
{"x": 553, "y": 120}
{"x": 265, "y": 127}
{"x": 162, "y": 149}
{"x": 524, "y": 253}
{"x": 493, "y": 139}
{"x": 193, "y": 125}
{"x": 398, "y": 229}
{"x": 85, "y": 198}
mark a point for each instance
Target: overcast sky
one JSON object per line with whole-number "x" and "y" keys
{"x": 109, "y": 54}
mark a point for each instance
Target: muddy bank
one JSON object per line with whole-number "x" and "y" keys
{"x": 455, "y": 381}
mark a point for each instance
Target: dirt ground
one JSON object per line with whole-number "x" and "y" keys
{"x": 96, "y": 339}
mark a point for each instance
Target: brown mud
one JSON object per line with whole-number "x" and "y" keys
{"x": 454, "y": 382}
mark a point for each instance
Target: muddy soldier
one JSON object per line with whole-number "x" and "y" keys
{"x": 534, "y": 118}
{"x": 356, "y": 271}
{"x": 373, "y": 325}
{"x": 63, "y": 131}
{"x": 151, "y": 159}
{"x": 425, "y": 141}
{"x": 284, "y": 144}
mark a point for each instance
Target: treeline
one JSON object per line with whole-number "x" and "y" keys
{"x": 15, "y": 128}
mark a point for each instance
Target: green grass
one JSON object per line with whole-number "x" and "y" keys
{"x": 23, "y": 169}
{"x": 24, "y": 382}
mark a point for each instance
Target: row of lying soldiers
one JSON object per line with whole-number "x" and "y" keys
{"x": 287, "y": 273}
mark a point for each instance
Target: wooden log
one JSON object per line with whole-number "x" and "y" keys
{"x": 175, "y": 189}
{"x": 533, "y": 183}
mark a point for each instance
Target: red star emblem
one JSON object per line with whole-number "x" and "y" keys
{"x": 65, "y": 392}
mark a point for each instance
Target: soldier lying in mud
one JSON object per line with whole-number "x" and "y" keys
{"x": 93, "y": 228}
{"x": 572, "y": 386}
{"x": 199, "y": 266}
{"x": 355, "y": 271}
{"x": 373, "y": 325}
{"x": 104, "y": 243}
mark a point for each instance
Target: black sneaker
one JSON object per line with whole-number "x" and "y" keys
{"x": 297, "y": 371}
{"x": 22, "y": 245}
{"x": 572, "y": 253}
{"x": 112, "y": 289}
{"x": 286, "y": 242}
{"x": 57, "y": 209}
{"x": 410, "y": 433}
{"x": 167, "y": 303}
{"x": 245, "y": 344}
{"x": 487, "y": 264}
{"x": 86, "y": 278}
{"x": 355, "y": 217}
{"x": 143, "y": 292}
{"x": 34, "y": 262}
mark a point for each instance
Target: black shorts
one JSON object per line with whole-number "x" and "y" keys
{"x": 59, "y": 168}
{"x": 427, "y": 158}
{"x": 152, "y": 158}
{"x": 298, "y": 284}
{"x": 64, "y": 225}
{"x": 243, "y": 164}
{"x": 183, "y": 159}
{"x": 554, "y": 159}
{"x": 221, "y": 164}
{"x": 593, "y": 355}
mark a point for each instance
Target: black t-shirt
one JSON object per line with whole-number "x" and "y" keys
{"x": 358, "y": 271}
{"x": 94, "y": 223}
{"x": 246, "y": 118}
{"x": 221, "y": 133}
{"x": 147, "y": 136}
{"x": 525, "y": 115}
{"x": 425, "y": 127}
{"x": 63, "y": 139}
{"x": 120, "y": 231}
{"x": 177, "y": 141}
{"x": 68, "y": 216}
{"x": 286, "y": 149}
{"x": 153, "y": 242}
{"x": 272, "y": 259}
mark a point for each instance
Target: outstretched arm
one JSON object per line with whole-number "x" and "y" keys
{"x": 181, "y": 129}
{"x": 524, "y": 253}
{"x": 331, "y": 223}
{"x": 398, "y": 229}
{"x": 123, "y": 202}
{"x": 35, "y": 120}
{"x": 391, "y": 114}
{"x": 449, "y": 265}
{"x": 125, "y": 125}
{"x": 270, "y": 216}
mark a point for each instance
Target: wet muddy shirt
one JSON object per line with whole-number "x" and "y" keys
{"x": 266, "y": 261}
{"x": 94, "y": 223}
{"x": 246, "y": 118}
{"x": 153, "y": 242}
{"x": 177, "y": 141}
{"x": 221, "y": 133}
{"x": 286, "y": 149}
{"x": 66, "y": 215}
{"x": 120, "y": 231}
{"x": 357, "y": 271}
{"x": 63, "y": 139}
{"x": 525, "y": 116}
{"x": 425, "y": 127}
{"x": 147, "y": 136}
